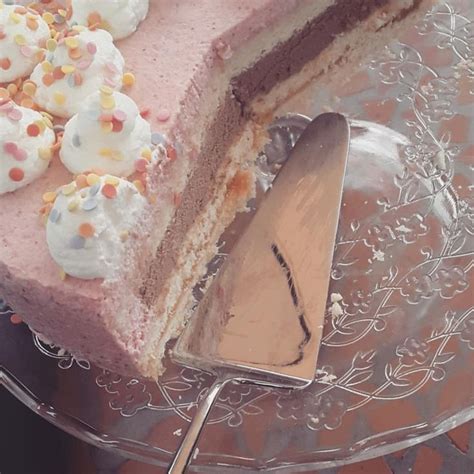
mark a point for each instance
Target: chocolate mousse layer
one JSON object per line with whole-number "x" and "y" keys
{"x": 284, "y": 60}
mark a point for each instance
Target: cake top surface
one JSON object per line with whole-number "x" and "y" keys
{"x": 171, "y": 55}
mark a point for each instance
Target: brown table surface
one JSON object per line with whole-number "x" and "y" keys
{"x": 29, "y": 445}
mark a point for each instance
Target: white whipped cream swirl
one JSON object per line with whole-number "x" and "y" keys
{"x": 108, "y": 134}
{"x": 119, "y": 17}
{"x": 26, "y": 140}
{"x": 76, "y": 68}
{"x": 22, "y": 34}
{"x": 87, "y": 228}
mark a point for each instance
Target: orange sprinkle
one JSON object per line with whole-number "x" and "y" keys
{"x": 81, "y": 181}
{"x": 48, "y": 79}
{"x": 5, "y": 63}
{"x": 16, "y": 174}
{"x": 33, "y": 130}
{"x": 109, "y": 191}
{"x": 86, "y": 230}
{"x": 15, "y": 319}
{"x": 28, "y": 103}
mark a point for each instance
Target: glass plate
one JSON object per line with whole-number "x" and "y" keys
{"x": 395, "y": 366}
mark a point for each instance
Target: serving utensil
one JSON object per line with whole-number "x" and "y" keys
{"x": 261, "y": 319}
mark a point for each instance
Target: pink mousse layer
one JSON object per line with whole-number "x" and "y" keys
{"x": 171, "y": 55}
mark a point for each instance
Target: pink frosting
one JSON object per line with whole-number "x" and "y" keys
{"x": 171, "y": 55}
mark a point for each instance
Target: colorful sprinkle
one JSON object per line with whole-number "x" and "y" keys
{"x": 59, "y": 98}
{"x": 128, "y": 79}
{"x": 141, "y": 165}
{"x": 86, "y": 230}
{"x": 90, "y": 204}
{"x": 92, "y": 179}
{"x": 68, "y": 189}
{"x": 77, "y": 242}
{"x": 109, "y": 191}
{"x": 33, "y": 130}
{"x": 49, "y": 197}
{"x": 73, "y": 204}
{"x": 45, "y": 153}
{"x": 16, "y": 174}
{"x": 54, "y": 216}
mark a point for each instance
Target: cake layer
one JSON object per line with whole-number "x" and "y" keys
{"x": 185, "y": 56}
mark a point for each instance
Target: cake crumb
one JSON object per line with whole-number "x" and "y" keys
{"x": 402, "y": 228}
{"x": 336, "y": 297}
{"x": 324, "y": 377}
{"x": 379, "y": 255}
{"x": 196, "y": 453}
{"x": 178, "y": 432}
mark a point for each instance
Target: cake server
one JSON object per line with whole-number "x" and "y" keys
{"x": 261, "y": 319}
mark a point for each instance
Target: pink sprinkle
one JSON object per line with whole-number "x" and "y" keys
{"x": 10, "y": 148}
{"x": 91, "y": 48}
{"x": 110, "y": 82}
{"x": 20, "y": 155}
{"x": 27, "y": 51}
{"x": 15, "y": 115}
{"x": 163, "y": 115}
{"x": 6, "y": 106}
{"x": 84, "y": 64}
{"x": 120, "y": 116}
{"x": 140, "y": 165}
{"x": 111, "y": 68}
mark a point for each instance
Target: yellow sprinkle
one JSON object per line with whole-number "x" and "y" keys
{"x": 46, "y": 66}
{"x": 46, "y": 114}
{"x": 48, "y": 122}
{"x": 45, "y": 153}
{"x": 4, "y": 94}
{"x": 114, "y": 181}
{"x": 68, "y": 189}
{"x": 139, "y": 185}
{"x": 146, "y": 153}
{"x": 49, "y": 197}
{"x": 106, "y": 152}
{"x": 68, "y": 68}
{"x": 48, "y": 18}
{"x": 12, "y": 89}
{"x": 107, "y": 127}
{"x": 62, "y": 274}
{"x": 59, "y": 98}
{"x": 20, "y": 40}
{"x": 29, "y": 88}
{"x": 107, "y": 102}
{"x": 117, "y": 156}
{"x": 128, "y": 79}
{"x": 73, "y": 204}
{"x": 15, "y": 18}
{"x": 51, "y": 45}
{"x": 106, "y": 90}
{"x": 71, "y": 42}
{"x": 62, "y": 12}
{"x": 41, "y": 125}
{"x": 92, "y": 179}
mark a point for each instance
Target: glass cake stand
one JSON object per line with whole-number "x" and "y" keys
{"x": 396, "y": 367}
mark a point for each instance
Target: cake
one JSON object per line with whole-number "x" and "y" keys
{"x": 100, "y": 251}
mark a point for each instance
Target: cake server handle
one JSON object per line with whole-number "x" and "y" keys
{"x": 184, "y": 454}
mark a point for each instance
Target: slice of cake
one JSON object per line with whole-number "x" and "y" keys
{"x": 131, "y": 224}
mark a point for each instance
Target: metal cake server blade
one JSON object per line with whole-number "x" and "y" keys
{"x": 262, "y": 317}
